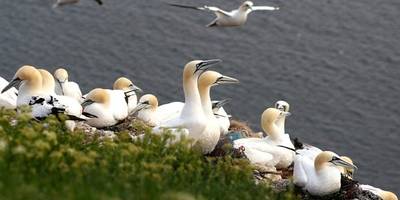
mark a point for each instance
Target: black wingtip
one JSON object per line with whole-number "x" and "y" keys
{"x": 297, "y": 144}
{"x": 99, "y": 2}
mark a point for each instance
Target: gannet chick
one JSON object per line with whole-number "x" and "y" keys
{"x": 321, "y": 176}
{"x": 283, "y": 106}
{"x": 66, "y": 87}
{"x": 30, "y": 84}
{"x": 129, "y": 89}
{"x": 385, "y": 195}
{"x": 270, "y": 146}
{"x": 68, "y": 2}
{"x": 99, "y": 103}
{"x": 212, "y": 131}
{"x": 221, "y": 115}
{"x": 230, "y": 18}
{"x": 192, "y": 117}
{"x": 8, "y": 99}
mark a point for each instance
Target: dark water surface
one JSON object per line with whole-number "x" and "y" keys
{"x": 337, "y": 62}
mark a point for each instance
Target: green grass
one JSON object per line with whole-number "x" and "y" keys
{"x": 42, "y": 160}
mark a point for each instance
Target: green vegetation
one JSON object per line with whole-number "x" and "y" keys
{"x": 42, "y": 160}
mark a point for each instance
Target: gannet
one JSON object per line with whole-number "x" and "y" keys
{"x": 320, "y": 176}
{"x": 106, "y": 106}
{"x": 283, "y": 106}
{"x": 149, "y": 111}
{"x": 221, "y": 115}
{"x": 346, "y": 171}
{"x": 8, "y": 99}
{"x": 66, "y": 87}
{"x": 212, "y": 131}
{"x": 48, "y": 82}
{"x": 129, "y": 89}
{"x": 385, "y": 195}
{"x": 30, "y": 84}
{"x": 230, "y": 18}
{"x": 192, "y": 117}
{"x": 44, "y": 106}
{"x": 270, "y": 146}
{"x": 67, "y": 2}
{"x": 307, "y": 150}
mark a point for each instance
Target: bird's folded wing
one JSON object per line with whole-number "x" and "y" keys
{"x": 264, "y": 8}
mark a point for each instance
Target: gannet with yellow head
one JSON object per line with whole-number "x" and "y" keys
{"x": 321, "y": 176}
{"x": 98, "y": 103}
{"x": 30, "y": 84}
{"x": 274, "y": 146}
{"x": 129, "y": 89}
{"x": 212, "y": 131}
{"x": 66, "y": 87}
{"x": 192, "y": 117}
{"x": 235, "y": 17}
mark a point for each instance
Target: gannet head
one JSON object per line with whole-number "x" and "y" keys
{"x": 386, "y": 195}
{"x": 48, "y": 83}
{"x": 328, "y": 158}
{"x": 196, "y": 67}
{"x": 26, "y": 73}
{"x": 147, "y": 101}
{"x": 282, "y": 105}
{"x": 126, "y": 85}
{"x": 61, "y": 75}
{"x": 212, "y": 78}
{"x": 97, "y": 95}
{"x": 247, "y": 5}
{"x": 269, "y": 118}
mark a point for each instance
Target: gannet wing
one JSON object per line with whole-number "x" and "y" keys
{"x": 169, "y": 111}
{"x": 254, "y": 8}
{"x": 258, "y": 157}
{"x": 214, "y": 9}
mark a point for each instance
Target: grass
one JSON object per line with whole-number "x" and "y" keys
{"x": 42, "y": 160}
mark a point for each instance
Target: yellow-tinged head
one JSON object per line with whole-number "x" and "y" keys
{"x": 61, "y": 75}
{"x": 125, "y": 84}
{"x": 97, "y": 95}
{"x": 386, "y": 195}
{"x": 327, "y": 158}
{"x": 211, "y": 78}
{"x": 48, "y": 83}
{"x": 150, "y": 100}
{"x": 197, "y": 67}
{"x": 26, "y": 73}
{"x": 269, "y": 118}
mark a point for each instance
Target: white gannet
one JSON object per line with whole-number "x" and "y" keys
{"x": 212, "y": 132}
{"x": 30, "y": 84}
{"x": 192, "y": 117}
{"x": 149, "y": 111}
{"x": 385, "y": 195}
{"x": 104, "y": 107}
{"x": 129, "y": 89}
{"x": 67, "y": 2}
{"x": 8, "y": 99}
{"x": 321, "y": 176}
{"x": 230, "y": 18}
{"x": 270, "y": 146}
{"x": 221, "y": 115}
{"x": 66, "y": 87}
{"x": 307, "y": 150}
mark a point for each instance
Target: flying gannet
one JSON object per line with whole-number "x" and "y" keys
{"x": 229, "y": 18}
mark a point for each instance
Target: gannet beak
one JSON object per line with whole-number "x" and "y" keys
{"x": 14, "y": 83}
{"x": 135, "y": 88}
{"x": 339, "y": 162}
{"x": 220, "y": 104}
{"x": 287, "y": 114}
{"x": 87, "y": 102}
{"x": 139, "y": 107}
{"x": 226, "y": 80}
{"x": 204, "y": 65}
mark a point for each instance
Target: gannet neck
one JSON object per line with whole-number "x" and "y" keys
{"x": 48, "y": 83}
{"x": 268, "y": 123}
{"x": 204, "y": 90}
{"x": 61, "y": 75}
{"x": 192, "y": 96}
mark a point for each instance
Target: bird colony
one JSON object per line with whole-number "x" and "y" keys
{"x": 197, "y": 116}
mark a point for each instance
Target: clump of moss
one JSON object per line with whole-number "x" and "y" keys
{"x": 43, "y": 160}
